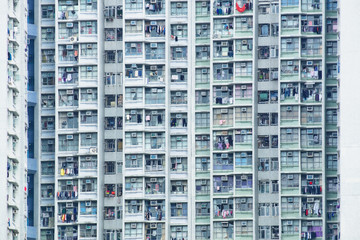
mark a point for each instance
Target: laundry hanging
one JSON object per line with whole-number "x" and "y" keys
{"x": 240, "y": 9}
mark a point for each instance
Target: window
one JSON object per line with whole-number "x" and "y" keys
{"x": 179, "y": 31}
{"x": 88, "y": 6}
{"x": 202, "y": 164}
{"x": 311, "y": 5}
{"x": 154, "y": 162}
{"x": 154, "y": 50}
{"x": 223, "y": 7}
{"x": 68, "y": 142}
{"x": 244, "y": 23}
{"x": 133, "y": 139}
{"x": 202, "y": 8}
{"x": 223, "y": 27}
{"x": 243, "y": 114}
{"x": 244, "y": 46}
{"x": 289, "y": 3}
{"x": 223, "y": 95}
{"x": 178, "y": 120}
{"x": 109, "y": 168}
{"x": 47, "y": 123}
{"x": 264, "y": 187}
{"x": 68, "y": 120}
{"x": 110, "y": 56}
{"x": 223, "y": 72}
{"x": 154, "y": 140}
{"x": 202, "y": 186}
{"x": 88, "y": 72}
{"x": 179, "y": 75}
{"x": 88, "y": 139}
{"x": 133, "y": 49}
{"x": 243, "y": 92}
{"x": 244, "y": 228}
{"x": 48, "y": 78}
{"x": 289, "y": 22}
{"x": 88, "y": 95}
{"x": 133, "y": 230}
{"x": 311, "y": 115}
{"x": 243, "y": 159}
{"x": 202, "y": 53}
{"x": 47, "y": 191}
{"x": 223, "y": 49}
{"x": 289, "y": 159}
{"x": 178, "y": 187}
{"x": 48, "y": 12}
{"x": 313, "y": 227}
{"x": 311, "y": 138}
{"x": 133, "y": 27}
{"x": 268, "y": 232}
{"x": 331, "y": 94}
{"x": 66, "y": 31}
{"x": 133, "y": 184}
{"x": 202, "y": 142}
{"x": 131, "y": 5}
{"x": 331, "y": 70}
{"x": 155, "y": 234}
{"x": 289, "y": 67}
{"x": 289, "y": 136}
{"x": 178, "y": 97}
{"x": 289, "y": 45}
{"x": 179, "y": 164}
{"x": 47, "y": 168}
{"x": 290, "y": 227}
{"x": 223, "y": 140}
{"x": 331, "y": 5}
{"x": 264, "y": 30}
{"x": 133, "y": 207}
{"x": 133, "y": 161}
{"x": 68, "y": 75}
{"x": 48, "y": 56}
{"x": 243, "y": 136}
{"x": 311, "y": 47}
{"x": 331, "y": 139}
{"x": 154, "y": 29}
{"x": 224, "y": 208}
{"x": 88, "y": 28}
{"x": 154, "y": 118}
{"x": 155, "y": 74}
{"x": 179, "y": 8}
{"x": 48, "y": 34}
{"x": 202, "y": 31}
{"x": 244, "y": 181}
{"x": 290, "y": 204}
{"x": 265, "y": 97}
{"x": 178, "y": 53}
{"x": 223, "y": 230}
{"x": 68, "y": 98}
{"x": 202, "y": 209}
{"x": 289, "y": 181}
{"x": 223, "y": 184}
{"x": 268, "y": 209}
{"x": 178, "y": 142}
{"x": 178, "y": 209}
{"x": 179, "y": 232}
{"x": 88, "y": 50}
{"x": 154, "y": 95}
{"x": 88, "y": 117}
{"x": 223, "y": 117}
{"x": 223, "y": 161}
{"x": 88, "y": 208}
{"x": 155, "y": 7}
{"x": 332, "y": 162}
{"x": 202, "y": 119}
{"x": 289, "y": 113}
{"x": 133, "y": 94}
{"x": 88, "y": 185}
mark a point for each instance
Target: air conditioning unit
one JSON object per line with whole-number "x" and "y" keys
{"x": 204, "y": 49}
{"x": 244, "y": 42}
{"x": 204, "y": 26}
{"x": 69, "y": 25}
{"x": 225, "y": 224}
{"x": 153, "y": 45}
{"x": 89, "y": 69}
{"x": 154, "y": 90}
{"x": 133, "y": 45}
{"x": 243, "y": 110}
{"x": 290, "y": 177}
{"x": 224, "y": 178}
{"x": 69, "y": 92}
{"x": 153, "y": 68}
{"x": 133, "y": 225}
{"x": 88, "y": 113}
{"x": 51, "y": 96}
{"x": 243, "y": 200}
{"x": 89, "y": 46}
{"x": 69, "y": 47}
{"x": 89, "y": 91}
{"x": 224, "y": 20}
{"x": 69, "y": 204}
{"x": 178, "y": 49}
{"x": 309, "y": 177}
{"x": 89, "y": 24}
{"x": 224, "y": 111}
{"x": 309, "y": 63}
{"x": 290, "y": 85}
{"x": 153, "y": 225}
{"x": 179, "y": 205}
{"x": 289, "y": 154}
{"x": 310, "y": 200}
{"x": 70, "y": 69}
{"x": 133, "y": 180}
{"x": 153, "y": 23}
{"x": 310, "y": 154}
{"x": 179, "y": 27}
{"x": 203, "y": 228}
{"x": 153, "y": 135}
{"x": 243, "y": 19}
{"x": 224, "y": 89}
{"x": 289, "y": 40}
{"x": 244, "y": 177}
{"x": 88, "y": 1}
{"x": 49, "y": 30}
{"x": 289, "y": 223}
{"x": 93, "y": 150}
{"x": 69, "y": 159}
{"x": 309, "y": 109}
{"x": 49, "y": 209}
{"x": 70, "y": 114}
{"x": 290, "y": 63}
{"x": 242, "y": 64}
{"x": 88, "y": 136}
{"x": 133, "y": 23}
{"x": 152, "y": 1}
{"x": 224, "y": 66}
{"x": 69, "y": 137}
{"x": 243, "y": 224}
{"x": 204, "y": 4}
{"x": 88, "y": 204}
{"x": 179, "y": 5}
{"x": 224, "y": 201}
{"x": 178, "y": 183}
{"x": 133, "y": 134}
{"x": 204, "y": 71}
{"x": 243, "y": 87}
{"x": 153, "y": 179}
{"x": 153, "y": 203}
{"x": 224, "y": 155}
{"x": 50, "y": 141}
{"x": 290, "y": 200}
{"x": 178, "y": 115}
{"x": 289, "y": 131}
{"x": 334, "y": 226}
{"x": 87, "y": 158}
{"x": 224, "y": 44}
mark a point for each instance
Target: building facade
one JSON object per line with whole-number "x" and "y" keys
{"x": 164, "y": 119}
{"x": 14, "y": 127}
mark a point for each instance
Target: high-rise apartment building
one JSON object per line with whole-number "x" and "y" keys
{"x": 185, "y": 119}
{"x": 13, "y": 133}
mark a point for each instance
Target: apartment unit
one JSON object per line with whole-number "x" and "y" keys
{"x": 230, "y": 119}
{"x": 14, "y": 126}
{"x": 78, "y": 138}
